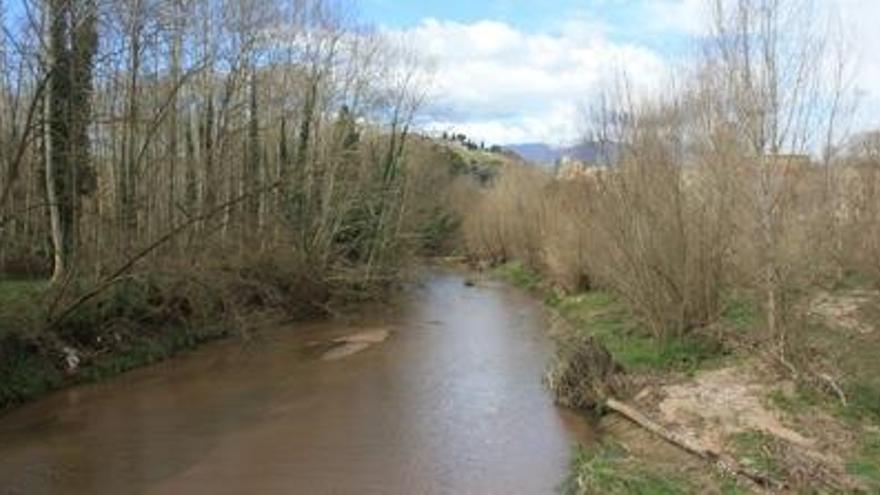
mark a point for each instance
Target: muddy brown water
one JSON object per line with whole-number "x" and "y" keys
{"x": 451, "y": 403}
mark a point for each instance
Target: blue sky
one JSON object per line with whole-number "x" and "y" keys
{"x": 524, "y": 13}
{"x": 624, "y": 19}
{"x": 512, "y": 71}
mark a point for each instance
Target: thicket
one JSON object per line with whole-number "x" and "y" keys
{"x": 737, "y": 182}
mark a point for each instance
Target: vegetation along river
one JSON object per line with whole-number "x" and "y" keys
{"x": 451, "y": 402}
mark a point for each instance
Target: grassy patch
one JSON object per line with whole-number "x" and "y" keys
{"x": 864, "y": 401}
{"x": 604, "y": 317}
{"x": 727, "y": 485}
{"x": 863, "y": 408}
{"x": 152, "y": 349}
{"x": 791, "y": 403}
{"x": 866, "y": 465}
{"x": 17, "y": 291}
{"x": 755, "y": 450}
{"x": 608, "y": 469}
{"x": 518, "y": 274}
{"x": 741, "y": 315}
{"x": 854, "y": 280}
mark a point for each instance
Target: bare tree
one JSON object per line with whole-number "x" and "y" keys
{"x": 767, "y": 60}
{"x": 282, "y": 125}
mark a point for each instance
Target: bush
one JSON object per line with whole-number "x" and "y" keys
{"x": 506, "y": 221}
{"x": 26, "y": 370}
{"x": 583, "y": 374}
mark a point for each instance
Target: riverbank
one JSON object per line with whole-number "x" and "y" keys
{"x": 114, "y": 335}
{"x": 56, "y": 337}
{"x": 722, "y": 394}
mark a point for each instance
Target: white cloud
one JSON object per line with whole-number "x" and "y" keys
{"x": 859, "y": 24}
{"x": 676, "y": 16}
{"x": 502, "y": 85}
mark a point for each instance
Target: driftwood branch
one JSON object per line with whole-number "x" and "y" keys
{"x": 835, "y": 387}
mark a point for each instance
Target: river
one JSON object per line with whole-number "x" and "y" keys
{"x": 451, "y": 403}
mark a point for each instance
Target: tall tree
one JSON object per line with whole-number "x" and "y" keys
{"x": 71, "y": 43}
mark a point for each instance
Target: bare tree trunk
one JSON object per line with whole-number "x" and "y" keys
{"x": 130, "y": 185}
{"x": 174, "y": 128}
{"x": 52, "y": 19}
{"x": 253, "y": 171}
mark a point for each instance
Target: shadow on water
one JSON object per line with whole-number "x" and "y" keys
{"x": 451, "y": 402}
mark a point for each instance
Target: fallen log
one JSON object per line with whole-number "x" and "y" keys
{"x": 586, "y": 377}
{"x": 724, "y": 462}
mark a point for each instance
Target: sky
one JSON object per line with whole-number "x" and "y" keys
{"x": 517, "y": 71}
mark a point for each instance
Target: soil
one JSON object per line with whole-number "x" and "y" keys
{"x": 721, "y": 403}
{"x": 843, "y": 310}
{"x": 714, "y": 407}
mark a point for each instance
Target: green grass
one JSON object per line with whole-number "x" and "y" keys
{"x": 16, "y": 291}
{"x": 153, "y": 349}
{"x": 20, "y": 303}
{"x": 728, "y": 485}
{"x": 609, "y": 320}
{"x": 25, "y": 373}
{"x": 754, "y": 449}
{"x": 866, "y": 465}
{"x": 854, "y": 280}
{"x": 791, "y": 403}
{"x": 864, "y": 401}
{"x": 607, "y": 469}
{"x": 741, "y": 315}
{"x": 860, "y": 410}
{"x": 516, "y": 273}
{"x": 605, "y": 317}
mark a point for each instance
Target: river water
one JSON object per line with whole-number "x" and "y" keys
{"x": 451, "y": 403}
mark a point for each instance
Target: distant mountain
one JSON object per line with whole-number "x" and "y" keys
{"x": 537, "y": 152}
{"x": 588, "y": 152}
{"x": 545, "y": 154}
